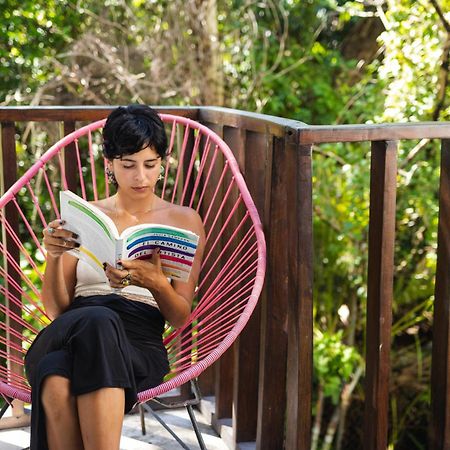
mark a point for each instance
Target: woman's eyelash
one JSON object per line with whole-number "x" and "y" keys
{"x": 130, "y": 167}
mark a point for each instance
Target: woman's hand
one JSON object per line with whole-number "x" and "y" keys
{"x": 57, "y": 240}
{"x": 147, "y": 274}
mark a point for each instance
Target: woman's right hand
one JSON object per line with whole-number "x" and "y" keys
{"x": 57, "y": 240}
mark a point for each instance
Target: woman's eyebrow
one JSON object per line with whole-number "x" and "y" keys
{"x": 133, "y": 160}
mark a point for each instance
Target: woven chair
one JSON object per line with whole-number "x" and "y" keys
{"x": 200, "y": 172}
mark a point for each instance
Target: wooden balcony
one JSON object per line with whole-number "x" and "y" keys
{"x": 264, "y": 384}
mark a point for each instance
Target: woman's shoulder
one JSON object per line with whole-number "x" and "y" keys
{"x": 183, "y": 217}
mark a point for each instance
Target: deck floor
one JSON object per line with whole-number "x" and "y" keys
{"x": 156, "y": 438}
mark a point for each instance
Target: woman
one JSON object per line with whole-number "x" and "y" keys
{"x": 102, "y": 348}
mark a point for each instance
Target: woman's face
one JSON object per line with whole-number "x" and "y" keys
{"x": 137, "y": 173}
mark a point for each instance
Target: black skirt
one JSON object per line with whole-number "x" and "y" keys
{"x": 100, "y": 341}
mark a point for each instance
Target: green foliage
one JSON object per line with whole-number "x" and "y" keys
{"x": 414, "y": 43}
{"x": 282, "y": 72}
{"x": 334, "y": 362}
{"x": 283, "y": 58}
{"x": 32, "y": 33}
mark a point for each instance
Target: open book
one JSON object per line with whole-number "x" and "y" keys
{"x": 100, "y": 240}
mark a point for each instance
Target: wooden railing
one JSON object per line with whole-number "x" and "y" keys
{"x": 264, "y": 384}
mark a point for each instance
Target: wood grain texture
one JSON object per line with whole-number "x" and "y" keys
{"x": 272, "y": 364}
{"x": 380, "y": 292}
{"x": 245, "y": 398}
{"x": 9, "y": 171}
{"x": 316, "y": 134}
{"x": 440, "y": 373}
{"x": 300, "y": 299}
{"x": 75, "y": 113}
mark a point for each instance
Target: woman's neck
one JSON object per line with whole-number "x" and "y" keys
{"x": 123, "y": 203}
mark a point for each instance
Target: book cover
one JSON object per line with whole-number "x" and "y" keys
{"x": 100, "y": 240}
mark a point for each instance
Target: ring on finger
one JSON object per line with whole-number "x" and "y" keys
{"x": 126, "y": 280}
{"x": 50, "y": 230}
{"x": 65, "y": 243}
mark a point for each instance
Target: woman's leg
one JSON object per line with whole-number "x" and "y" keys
{"x": 101, "y": 417}
{"x": 62, "y": 425}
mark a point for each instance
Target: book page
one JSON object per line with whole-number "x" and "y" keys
{"x": 177, "y": 247}
{"x": 97, "y": 237}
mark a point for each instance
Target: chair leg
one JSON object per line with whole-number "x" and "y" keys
{"x": 189, "y": 406}
{"x": 4, "y": 408}
{"x": 141, "y": 413}
{"x": 201, "y": 443}
{"x": 164, "y": 424}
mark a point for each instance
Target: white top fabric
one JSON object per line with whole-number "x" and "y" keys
{"x": 91, "y": 282}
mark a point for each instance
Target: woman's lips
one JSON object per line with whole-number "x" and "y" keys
{"x": 140, "y": 189}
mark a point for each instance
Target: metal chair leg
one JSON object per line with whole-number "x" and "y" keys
{"x": 141, "y": 413}
{"x": 189, "y": 406}
{"x": 164, "y": 424}
{"x": 4, "y": 408}
{"x": 201, "y": 443}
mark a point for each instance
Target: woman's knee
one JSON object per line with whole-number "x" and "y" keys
{"x": 55, "y": 394}
{"x": 98, "y": 315}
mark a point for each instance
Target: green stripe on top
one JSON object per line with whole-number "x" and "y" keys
{"x": 191, "y": 237}
{"x": 92, "y": 216}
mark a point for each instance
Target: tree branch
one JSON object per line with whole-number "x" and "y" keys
{"x": 444, "y": 69}
{"x": 438, "y": 9}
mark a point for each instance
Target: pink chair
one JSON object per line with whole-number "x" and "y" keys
{"x": 200, "y": 172}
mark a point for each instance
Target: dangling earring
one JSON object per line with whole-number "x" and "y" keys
{"x": 111, "y": 177}
{"x": 161, "y": 173}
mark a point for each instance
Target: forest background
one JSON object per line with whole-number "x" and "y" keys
{"x": 317, "y": 61}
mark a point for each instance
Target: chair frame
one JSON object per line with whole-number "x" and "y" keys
{"x": 10, "y": 391}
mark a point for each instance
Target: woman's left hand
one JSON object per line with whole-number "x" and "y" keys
{"x": 147, "y": 274}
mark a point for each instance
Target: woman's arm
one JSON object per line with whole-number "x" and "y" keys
{"x": 60, "y": 272}
{"x": 174, "y": 300}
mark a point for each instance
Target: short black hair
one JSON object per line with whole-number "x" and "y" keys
{"x": 129, "y": 129}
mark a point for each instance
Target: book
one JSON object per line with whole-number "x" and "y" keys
{"x": 100, "y": 240}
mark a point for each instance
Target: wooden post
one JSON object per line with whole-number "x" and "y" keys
{"x": 219, "y": 376}
{"x": 9, "y": 171}
{"x": 245, "y": 402}
{"x": 272, "y": 368}
{"x": 440, "y": 372}
{"x": 299, "y": 238}
{"x": 235, "y": 138}
{"x": 70, "y": 158}
{"x": 383, "y": 184}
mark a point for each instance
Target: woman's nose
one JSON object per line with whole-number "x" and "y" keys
{"x": 139, "y": 173}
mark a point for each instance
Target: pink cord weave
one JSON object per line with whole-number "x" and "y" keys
{"x": 200, "y": 172}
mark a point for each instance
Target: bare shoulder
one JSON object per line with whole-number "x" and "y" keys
{"x": 185, "y": 217}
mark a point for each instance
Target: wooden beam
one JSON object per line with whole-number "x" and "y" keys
{"x": 246, "y": 375}
{"x": 76, "y": 113}
{"x": 383, "y": 183}
{"x": 70, "y": 158}
{"x": 440, "y": 372}
{"x": 9, "y": 177}
{"x": 272, "y": 368}
{"x": 317, "y": 134}
{"x": 299, "y": 238}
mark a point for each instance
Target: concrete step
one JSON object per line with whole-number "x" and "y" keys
{"x": 156, "y": 438}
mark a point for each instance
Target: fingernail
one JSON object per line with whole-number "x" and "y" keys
{"x": 75, "y": 235}
{"x": 77, "y": 244}
{"x": 104, "y": 266}
{"x": 62, "y": 222}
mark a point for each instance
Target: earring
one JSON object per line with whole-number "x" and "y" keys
{"x": 161, "y": 174}
{"x": 111, "y": 177}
